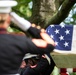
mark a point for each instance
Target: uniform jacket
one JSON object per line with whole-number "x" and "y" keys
{"x": 13, "y": 47}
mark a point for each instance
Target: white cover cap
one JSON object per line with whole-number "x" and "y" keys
{"x": 5, "y": 5}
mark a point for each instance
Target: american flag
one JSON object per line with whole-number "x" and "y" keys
{"x": 64, "y": 37}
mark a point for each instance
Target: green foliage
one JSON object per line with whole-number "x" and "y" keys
{"x": 71, "y": 19}
{"x": 74, "y": 73}
{"x": 23, "y": 8}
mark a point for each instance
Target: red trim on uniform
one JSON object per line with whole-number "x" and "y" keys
{"x": 2, "y": 30}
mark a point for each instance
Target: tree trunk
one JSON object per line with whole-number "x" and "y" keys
{"x": 42, "y": 11}
{"x": 46, "y": 12}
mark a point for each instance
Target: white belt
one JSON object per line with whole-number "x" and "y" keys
{"x": 9, "y": 74}
{"x": 13, "y": 74}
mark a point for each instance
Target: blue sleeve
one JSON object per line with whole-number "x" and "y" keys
{"x": 30, "y": 71}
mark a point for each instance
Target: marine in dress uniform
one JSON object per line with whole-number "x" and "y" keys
{"x": 14, "y": 47}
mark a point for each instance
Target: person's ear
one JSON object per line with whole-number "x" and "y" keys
{"x": 8, "y": 19}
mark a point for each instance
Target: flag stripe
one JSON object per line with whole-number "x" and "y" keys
{"x": 67, "y": 70}
{"x": 74, "y": 40}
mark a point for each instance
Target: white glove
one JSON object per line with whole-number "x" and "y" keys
{"x": 20, "y": 22}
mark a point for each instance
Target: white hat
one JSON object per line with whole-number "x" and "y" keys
{"x": 29, "y": 55}
{"x": 5, "y": 5}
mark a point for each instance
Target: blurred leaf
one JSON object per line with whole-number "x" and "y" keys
{"x": 71, "y": 19}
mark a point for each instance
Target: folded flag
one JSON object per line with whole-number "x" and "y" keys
{"x": 64, "y": 37}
